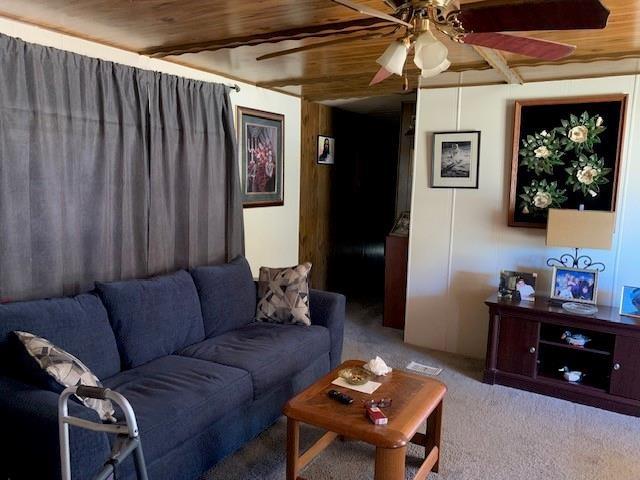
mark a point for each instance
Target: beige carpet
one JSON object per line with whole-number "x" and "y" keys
{"x": 489, "y": 432}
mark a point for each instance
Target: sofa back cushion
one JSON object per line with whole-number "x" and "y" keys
{"x": 79, "y": 325}
{"x": 153, "y": 317}
{"x": 227, "y": 295}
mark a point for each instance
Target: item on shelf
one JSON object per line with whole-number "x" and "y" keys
{"x": 401, "y": 226}
{"x": 355, "y": 375}
{"x": 378, "y": 367}
{"x": 572, "y": 376}
{"x": 517, "y": 286}
{"x": 575, "y": 339}
{"x": 580, "y": 308}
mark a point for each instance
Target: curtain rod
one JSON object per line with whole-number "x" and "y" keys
{"x": 235, "y": 87}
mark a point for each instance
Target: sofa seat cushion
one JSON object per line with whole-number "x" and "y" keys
{"x": 153, "y": 317}
{"x": 271, "y": 352}
{"x": 79, "y": 325}
{"x": 227, "y": 294}
{"x": 176, "y": 398}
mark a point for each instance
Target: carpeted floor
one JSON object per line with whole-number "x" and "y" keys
{"x": 489, "y": 432}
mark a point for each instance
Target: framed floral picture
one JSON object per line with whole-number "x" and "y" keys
{"x": 566, "y": 153}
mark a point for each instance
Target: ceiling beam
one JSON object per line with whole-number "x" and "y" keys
{"x": 299, "y": 33}
{"x": 498, "y": 63}
{"x": 289, "y": 82}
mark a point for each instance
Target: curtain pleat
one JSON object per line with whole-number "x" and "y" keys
{"x": 196, "y": 209}
{"x": 109, "y": 172}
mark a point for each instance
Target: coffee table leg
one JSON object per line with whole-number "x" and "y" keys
{"x": 434, "y": 427}
{"x": 293, "y": 448}
{"x": 390, "y": 463}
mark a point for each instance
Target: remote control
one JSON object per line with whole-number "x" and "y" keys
{"x": 340, "y": 397}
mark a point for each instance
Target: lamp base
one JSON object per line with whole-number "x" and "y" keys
{"x": 583, "y": 262}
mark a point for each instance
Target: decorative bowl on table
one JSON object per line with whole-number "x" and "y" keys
{"x": 355, "y": 375}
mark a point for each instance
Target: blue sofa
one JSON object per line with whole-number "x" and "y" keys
{"x": 201, "y": 375}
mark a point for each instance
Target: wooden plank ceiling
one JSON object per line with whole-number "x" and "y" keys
{"x": 339, "y": 71}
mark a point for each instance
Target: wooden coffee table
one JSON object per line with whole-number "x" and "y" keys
{"x": 416, "y": 399}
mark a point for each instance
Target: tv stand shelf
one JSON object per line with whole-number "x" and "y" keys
{"x": 525, "y": 350}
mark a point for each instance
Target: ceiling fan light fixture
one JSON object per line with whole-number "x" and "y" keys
{"x": 394, "y": 57}
{"x": 430, "y": 55}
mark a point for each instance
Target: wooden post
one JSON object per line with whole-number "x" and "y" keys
{"x": 434, "y": 428}
{"x": 293, "y": 448}
{"x": 390, "y": 463}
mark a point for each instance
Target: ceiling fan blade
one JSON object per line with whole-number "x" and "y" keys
{"x": 530, "y": 15}
{"x": 382, "y": 75}
{"x": 530, "y": 47}
{"x": 372, "y": 12}
{"x": 327, "y": 43}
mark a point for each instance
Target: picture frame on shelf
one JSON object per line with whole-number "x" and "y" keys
{"x": 261, "y": 145}
{"x": 566, "y": 153}
{"x": 630, "y": 302}
{"x": 517, "y": 286}
{"x": 576, "y": 285}
{"x": 455, "y": 160}
{"x": 326, "y": 150}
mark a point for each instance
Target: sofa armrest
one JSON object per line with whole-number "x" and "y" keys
{"x": 29, "y": 419}
{"x": 328, "y": 310}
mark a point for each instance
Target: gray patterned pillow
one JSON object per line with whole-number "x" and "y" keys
{"x": 65, "y": 369}
{"x": 284, "y": 295}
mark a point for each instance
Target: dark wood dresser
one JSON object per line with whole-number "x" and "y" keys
{"x": 525, "y": 350}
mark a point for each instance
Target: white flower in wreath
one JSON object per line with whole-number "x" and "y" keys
{"x": 579, "y": 134}
{"x": 599, "y": 122}
{"x": 542, "y": 199}
{"x": 542, "y": 152}
{"x": 544, "y": 133}
{"x": 587, "y": 175}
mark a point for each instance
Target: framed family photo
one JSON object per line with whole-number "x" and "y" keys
{"x": 630, "y": 303}
{"x": 261, "y": 144}
{"x": 520, "y": 285}
{"x": 574, "y": 285}
{"x": 456, "y": 159}
{"x": 326, "y": 150}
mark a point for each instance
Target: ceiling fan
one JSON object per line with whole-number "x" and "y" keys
{"x": 478, "y": 24}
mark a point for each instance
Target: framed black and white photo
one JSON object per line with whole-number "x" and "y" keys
{"x": 326, "y": 150}
{"x": 261, "y": 144}
{"x": 574, "y": 285}
{"x": 456, "y": 159}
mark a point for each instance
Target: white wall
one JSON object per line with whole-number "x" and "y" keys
{"x": 271, "y": 233}
{"x": 460, "y": 239}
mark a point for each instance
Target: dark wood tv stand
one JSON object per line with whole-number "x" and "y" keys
{"x": 525, "y": 351}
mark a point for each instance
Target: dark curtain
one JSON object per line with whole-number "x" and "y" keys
{"x": 109, "y": 172}
{"x": 73, "y": 172}
{"x": 196, "y": 209}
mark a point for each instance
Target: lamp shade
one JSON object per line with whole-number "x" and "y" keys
{"x": 580, "y": 229}
{"x": 394, "y": 57}
{"x": 430, "y": 55}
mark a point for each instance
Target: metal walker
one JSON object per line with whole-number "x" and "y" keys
{"x": 127, "y": 442}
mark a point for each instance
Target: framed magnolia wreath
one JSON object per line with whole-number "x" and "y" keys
{"x": 566, "y": 153}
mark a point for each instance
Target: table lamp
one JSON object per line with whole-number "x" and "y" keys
{"x": 579, "y": 229}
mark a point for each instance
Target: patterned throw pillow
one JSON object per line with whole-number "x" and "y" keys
{"x": 284, "y": 295}
{"x": 65, "y": 369}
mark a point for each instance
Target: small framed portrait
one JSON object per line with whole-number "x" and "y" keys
{"x": 630, "y": 303}
{"x": 518, "y": 286}
{"x": 261, "y": 144}
{"x": 326, "y": 150}
{"x": 401, "y": 227}
{"x": 456, "y": 159}
{"x": 574, "y": 285}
